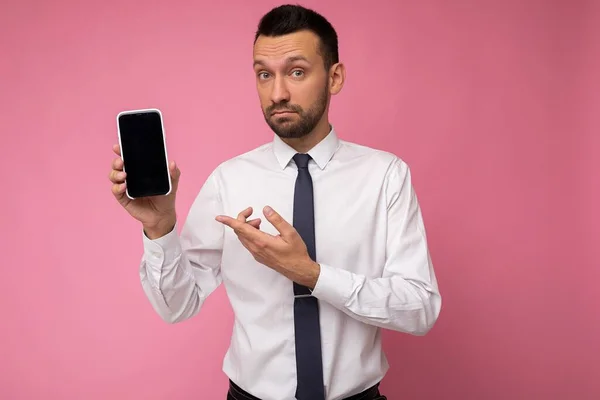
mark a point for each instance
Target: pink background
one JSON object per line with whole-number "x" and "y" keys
{"x": 494, "y": 105}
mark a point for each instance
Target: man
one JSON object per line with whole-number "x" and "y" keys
{"x": 340, "y": 254}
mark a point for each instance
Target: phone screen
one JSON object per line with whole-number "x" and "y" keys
{"x": 144, "y": 154}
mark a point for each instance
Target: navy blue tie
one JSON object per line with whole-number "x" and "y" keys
{"x": 309, "y": 361}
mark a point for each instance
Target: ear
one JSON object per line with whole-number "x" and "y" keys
{"x": 337, "y": 76}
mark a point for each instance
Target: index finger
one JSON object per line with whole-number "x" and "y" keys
{"x": 233, "y": 223}
{"x": 242, "y": 227}
{"x": 117, "y": 149}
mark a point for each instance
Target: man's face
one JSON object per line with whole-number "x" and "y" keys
{"x": 292, "y": 82}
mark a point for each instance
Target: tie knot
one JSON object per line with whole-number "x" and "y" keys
{"x": 301, "y": 160}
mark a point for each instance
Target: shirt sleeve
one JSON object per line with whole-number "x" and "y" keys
{"x": 179, "y": 272}
{"x": 406, "y": 297}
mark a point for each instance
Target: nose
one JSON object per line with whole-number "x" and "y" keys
{"x": 280, "y": 91}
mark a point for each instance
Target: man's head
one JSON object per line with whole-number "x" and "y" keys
{"x": 297, "y": 69}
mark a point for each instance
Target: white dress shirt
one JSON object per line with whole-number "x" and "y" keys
{"x": 376, "y": 271}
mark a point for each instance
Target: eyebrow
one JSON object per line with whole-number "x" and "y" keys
{"x": 289, "y": 60}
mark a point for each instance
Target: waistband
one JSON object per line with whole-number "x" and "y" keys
{"x": 240, "y": 394}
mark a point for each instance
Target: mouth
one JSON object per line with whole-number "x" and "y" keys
{"x": 283, "y": 112}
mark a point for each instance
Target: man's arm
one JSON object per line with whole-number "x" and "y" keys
{"x": 178, "y": 273}
{"x": 406, "y": 298}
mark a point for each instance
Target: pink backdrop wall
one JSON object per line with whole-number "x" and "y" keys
{"x": 493, "y": 104}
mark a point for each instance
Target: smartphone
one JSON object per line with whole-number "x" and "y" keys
{"x": 144, "y": 153}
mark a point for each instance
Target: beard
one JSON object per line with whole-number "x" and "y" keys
{"x": 292, "y": 127}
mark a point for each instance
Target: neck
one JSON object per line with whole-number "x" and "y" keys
{"x": 305, "y": 143}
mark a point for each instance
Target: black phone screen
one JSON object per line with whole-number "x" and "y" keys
{"x": 144, "y": 155}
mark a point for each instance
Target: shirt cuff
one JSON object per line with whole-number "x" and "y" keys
{"x": 334, "y": 286}
{"x": 163, "y": 250}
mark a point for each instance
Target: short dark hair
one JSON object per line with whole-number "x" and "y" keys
{"x": 288, "y": 18}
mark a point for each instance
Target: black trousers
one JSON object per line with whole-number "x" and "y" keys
{"x": 237, "y": 393}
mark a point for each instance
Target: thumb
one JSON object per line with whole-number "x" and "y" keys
{"x": 175, "y": 174}
{"x": 284, "y": 228}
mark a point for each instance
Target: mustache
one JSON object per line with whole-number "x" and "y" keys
{"x": 283, "y": 107}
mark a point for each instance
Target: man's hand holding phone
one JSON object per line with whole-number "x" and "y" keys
{"x": 156, "y": 213}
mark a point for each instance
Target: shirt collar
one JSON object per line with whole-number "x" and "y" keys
{"x": 321, "y": 153}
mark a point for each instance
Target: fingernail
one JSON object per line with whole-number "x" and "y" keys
{"x": 268, "y": 210}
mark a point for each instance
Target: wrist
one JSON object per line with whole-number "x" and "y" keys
{"x": 309, "y": 272}
{"x": 161, "y": 228}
